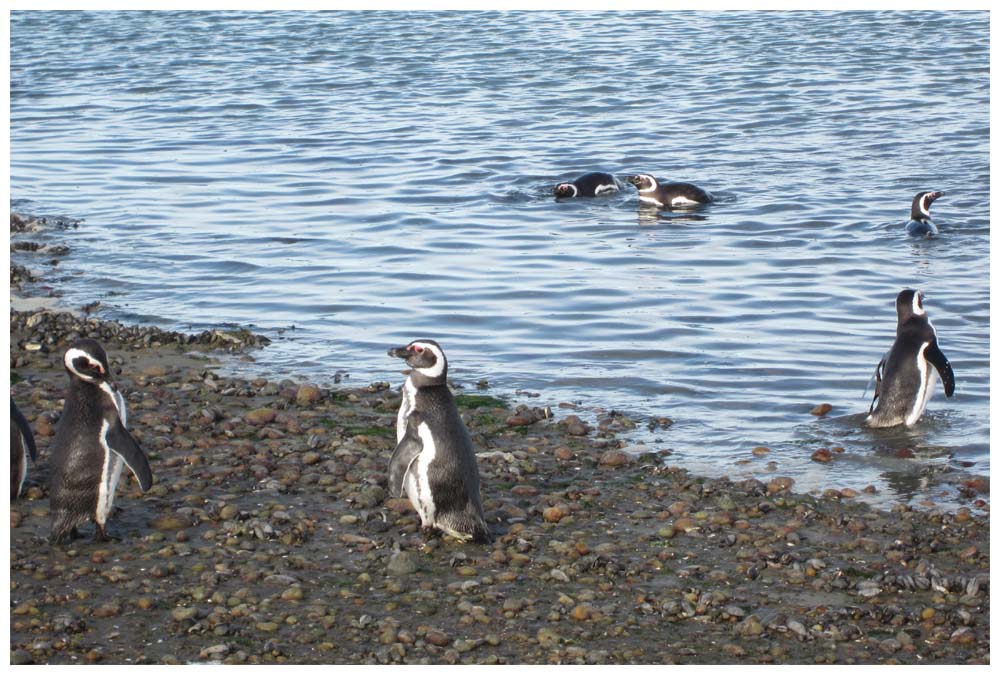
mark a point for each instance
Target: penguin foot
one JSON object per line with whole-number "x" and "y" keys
{"x": 101, "y": 534}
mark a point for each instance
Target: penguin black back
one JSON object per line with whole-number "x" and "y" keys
{"x": 591, "y": 184}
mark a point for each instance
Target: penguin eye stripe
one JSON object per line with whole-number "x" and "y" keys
{"x": 418, "y": 348}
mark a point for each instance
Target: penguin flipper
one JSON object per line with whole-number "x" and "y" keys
{"x": 877, "y": 376}
{"x": 24, "y": 428}
{"x": 403, "y": 457}
{"x": 937, "y": 359}
{"x": 120, "y": 442}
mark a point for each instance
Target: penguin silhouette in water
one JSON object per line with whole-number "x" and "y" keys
{"x": 91, "y": 446}
{"x": 434, "y": 463}
{"x": 920, "y": 224}
{"x": 904, "y": 379}
{"x": 22, "y": 445}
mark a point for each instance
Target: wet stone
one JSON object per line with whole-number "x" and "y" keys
{"x": 307, "y": 394}
{"x": 184, "y": 613}
{"x": 615, "y": 458}
{"x": 822, "y": 455}
{"x": 214, "y": 652}
{"x": 438, "y": 638}
{"x": 403, "y": 563}
{"x": 261, "y": 416}
{"x": 575, "y": 426}
{"x": 547, "y": 637}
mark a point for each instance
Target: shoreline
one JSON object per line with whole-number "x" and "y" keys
{"x": 268, "y": 537}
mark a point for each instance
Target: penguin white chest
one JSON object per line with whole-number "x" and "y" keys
{"x": 23, "y": 470}
{"x": 682, "y": 201}
{"x": 417, "y": 482}
{"x": 405, "y": 408}
{"x": 111, "y": 472}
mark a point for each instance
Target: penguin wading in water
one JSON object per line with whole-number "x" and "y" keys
{"x": 904, "y": 379}
{"x": 22, "y": 444}
{"x": 91, "y": 446}
{"x": 920, "y": 224}
{"x": 434, "y": 463}
{"x": 668, "y": 195}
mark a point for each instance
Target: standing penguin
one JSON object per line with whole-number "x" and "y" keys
{"x": 920, "y": 224}
{"x": 22, "y": 444}
{"x": 904, "y": 379}
{"x": 91, "y": 446}
{"x": 434, "y": 463}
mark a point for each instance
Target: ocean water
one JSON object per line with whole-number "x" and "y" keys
{"x": 346, "y": 182}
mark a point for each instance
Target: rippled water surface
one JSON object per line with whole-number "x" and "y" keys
{"x": 369, "y": 178}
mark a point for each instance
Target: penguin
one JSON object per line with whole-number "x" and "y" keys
{"x": 434, "y": 463}
{"x": 91, "y": 446}
{"x": 920, "y": 224}
{"x": 669, "y": 195}
{"x": 592, "y": 184}
{"x": 22, "y": 444}
{"x": 905, "y": 377}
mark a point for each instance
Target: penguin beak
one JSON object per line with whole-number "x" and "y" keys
{"x": 400, "y": 352}
{"x": 634, "y": 180}
{"x": 935, "y": 195}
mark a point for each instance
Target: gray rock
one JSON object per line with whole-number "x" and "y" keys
{"x": 403, "y": 563}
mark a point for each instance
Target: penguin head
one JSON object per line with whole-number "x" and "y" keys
{"x": 425, "y": 357}
{"x": 909, "y": 303}
{"x": 86, "y": 360}
{"x": 643, "y": 182}
{"x": 921, "y": 207}
{"x": 565, "y": 190}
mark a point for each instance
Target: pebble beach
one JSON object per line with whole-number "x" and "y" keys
{"x": 269, "y": 537}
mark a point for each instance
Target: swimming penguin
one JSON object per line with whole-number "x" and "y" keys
{"x": 22, "y": 444}
{"x": 920, "y": 224}
{"x": 669, "y": 195}
{"x": 904, "y": 379}
{"x": 588, "y": 185}
{"x": 91, "y": 446}
{"x": 434, "y": 463}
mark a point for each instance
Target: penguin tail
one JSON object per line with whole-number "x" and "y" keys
{"x": 63, "y": 528}
{"x": 59, "y": 536}
{"x": 466, "y": 526}
{"x": 482, "y": 535}
{"x": 480, "y": 531}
